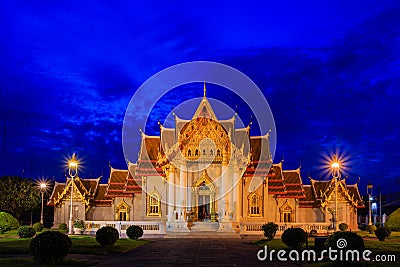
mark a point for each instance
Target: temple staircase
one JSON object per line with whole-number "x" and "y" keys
{"x": 205, "y": 226}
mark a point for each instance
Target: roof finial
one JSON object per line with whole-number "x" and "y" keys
{"x": 205, "y": 90}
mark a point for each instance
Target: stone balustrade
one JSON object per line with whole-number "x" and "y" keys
{"x": 251, "y": 228}
{"x": 149, "y": 228}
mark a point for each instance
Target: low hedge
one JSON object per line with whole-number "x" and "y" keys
{"x": 26, "y": 232}
{"x": 134, "y": 232}
{"x": 294, "y": 238}
{"x": 50, "y": 246}
{"x": 107, "y": 236}
{"x": 38, "y": 227}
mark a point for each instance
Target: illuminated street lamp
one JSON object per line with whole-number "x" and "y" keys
{"x": 335, "y": 167}
{"x": 72, "y": 172}
{"x": 369, "y": 193}
{"x": 43, "y": 188}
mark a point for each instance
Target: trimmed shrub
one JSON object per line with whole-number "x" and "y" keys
{"x": 7, "y": 222}
{"x": 107, "y": 236}
{"x": 353, "y": 240}
{"x": 313, "y": 232}
{"x": 38, "y": 227}
{"x": 62, "y": 226}
{"x": 270, "y": 230}
{"x": 393, "y": 221}
{"x": 50, "y": 246}
{"x": 371, "y": 228}
{"x": 79, "y": 224}
{"x": 294, "y": 238}
{"x": 378, "y": 224}
{"x": 343, "y": 226}
{"x": 26, "y": 232}
{"x": 134, "y": 232}
{"x": 362, "y": 227}
{"x": 382, "y": 232}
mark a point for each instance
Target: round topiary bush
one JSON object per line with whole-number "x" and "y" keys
{"x": 38, "y": 227}
{"x": 107, "y": 236}
{"x": 382, "y": 232}
{"x": 343, "y": 226}
{"x": 7, "y": 222}
{"x": 294, "y": 237}
{"x": 26, "y": 232}
{"x": 270, "y": 230}
{"x": 353, "y": 241}
{"x": 393, "y": 221}
{"x": 62, "y": 226}
{"x": 134, "y": 232}
{"x": 371, "y": 228}
{"x": 50, "y": 246}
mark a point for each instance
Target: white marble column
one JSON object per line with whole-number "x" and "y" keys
{"x": 188, "y": 191}
{"x": 171, "y": 194}
{"x": 223, "y": 191}
{"x": 181, "y": 204}
{"x": 225, "y": 225}
{"x": 236, "y": 193}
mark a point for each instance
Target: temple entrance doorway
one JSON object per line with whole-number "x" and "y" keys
{"x": 203, "y": 193}
{"x": 203, "y": 204}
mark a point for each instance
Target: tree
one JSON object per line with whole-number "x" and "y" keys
{"x": 18, "y": 196}
{"x": 393, "y": 221}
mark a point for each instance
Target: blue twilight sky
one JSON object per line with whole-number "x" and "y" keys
{"x": 329, "y": 70}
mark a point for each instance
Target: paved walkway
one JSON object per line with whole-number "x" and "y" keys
{"x": 187, "y": 252}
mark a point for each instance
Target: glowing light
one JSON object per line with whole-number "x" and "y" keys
{"x": 43, "y": 185}
{"x": 73, "y": 163}
{"x": 334, "y": 162}
{"x": 335, "y": 165}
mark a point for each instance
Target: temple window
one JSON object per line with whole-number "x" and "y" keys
{"x": 196, "y": 153}
{"x": 218, "y": 153}
{"x": 189, "y": 153}
{"x": 204, "y": 152}
{"x": 254, "y": 205}
{"x": 122, "y": 211}
{"x": 211, "y": 152}
{"x": 154, "y": 207}
{"x": 287, "y": 213}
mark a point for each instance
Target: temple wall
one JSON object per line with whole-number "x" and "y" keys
{"x": 153, "y": 184}
{"x": 137, "y": 210}
{"x": 101, "y": 213}
{"x": 311, "y": 215}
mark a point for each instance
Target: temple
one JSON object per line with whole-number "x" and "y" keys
{"x": 205, "y": 174}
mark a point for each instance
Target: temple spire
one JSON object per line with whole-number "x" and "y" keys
{"x": 205, "y": 90}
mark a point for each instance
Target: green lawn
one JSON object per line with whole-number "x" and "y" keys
{"x": 80, "y": 245}
{"x": 89, "y": 245}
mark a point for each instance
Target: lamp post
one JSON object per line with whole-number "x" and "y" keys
{"x": 43, "y": 187}
{"x": 369, "y": 193}
{"x": 335, "y": 166}
{"x": 72, "y": 171}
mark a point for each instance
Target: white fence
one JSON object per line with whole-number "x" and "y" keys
{"x": 149, "y": 228}
{"x": 255, "y": 228}
{"x": 158, "y": 228}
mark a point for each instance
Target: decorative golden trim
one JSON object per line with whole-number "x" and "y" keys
{"x": 258, "y": 205}
{"x": 150, "y": 198}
